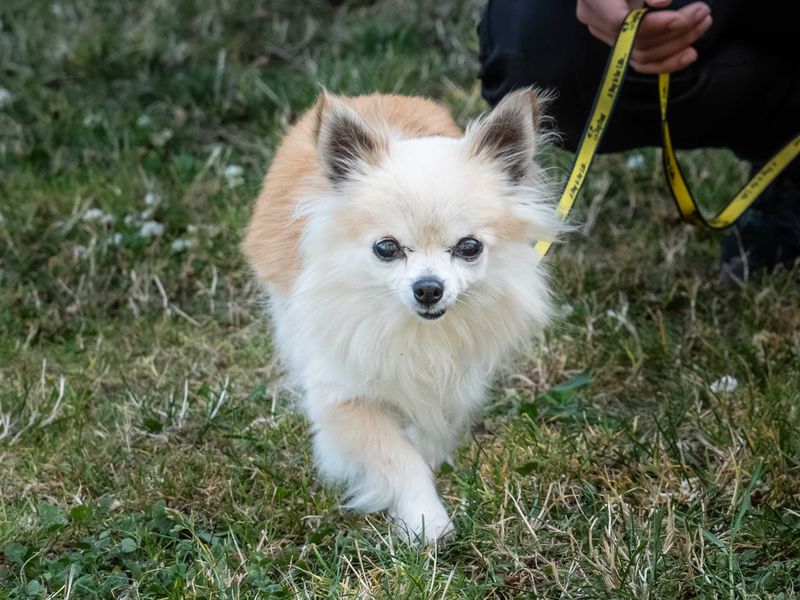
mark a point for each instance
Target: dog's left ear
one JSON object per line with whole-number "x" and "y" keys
{"x": 508, "y": 133}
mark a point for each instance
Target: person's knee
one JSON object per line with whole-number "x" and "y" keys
{"x": 526, "y": 42}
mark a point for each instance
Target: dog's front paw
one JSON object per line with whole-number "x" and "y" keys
{"x": 424, "y": 525}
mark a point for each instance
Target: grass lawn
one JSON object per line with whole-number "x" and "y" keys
{"x": 147, "y": 446}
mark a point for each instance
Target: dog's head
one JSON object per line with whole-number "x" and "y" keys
{"x": 425, "y": 224}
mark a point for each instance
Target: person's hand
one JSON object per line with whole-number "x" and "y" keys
{"x": 664, "y": 42}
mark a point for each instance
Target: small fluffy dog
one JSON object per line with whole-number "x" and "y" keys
{"x": 397, "y": 253}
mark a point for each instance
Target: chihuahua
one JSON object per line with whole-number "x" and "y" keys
{"x": 397, "y": 255}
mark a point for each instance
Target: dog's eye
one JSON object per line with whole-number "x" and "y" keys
{"x": 387, "y": 249}
{"x": 468, "y": 248}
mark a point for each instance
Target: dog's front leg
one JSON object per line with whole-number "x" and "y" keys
{"x": 362, "y": 445}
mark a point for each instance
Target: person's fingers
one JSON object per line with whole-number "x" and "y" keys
{"x": 646, "y": 42}
{"x": 671, "y": 47}
{"x": 656, "y": 29}
{"x": 695, "y": 11}
{"x": 662, "y": 23}
{"x": 672, "y": 22}
{"x": 669, "y": 65}
{"x": 653, "y": 42}
{"x": 658, "y": 3}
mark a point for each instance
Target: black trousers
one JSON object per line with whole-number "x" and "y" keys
{"x": 742, "y": 93}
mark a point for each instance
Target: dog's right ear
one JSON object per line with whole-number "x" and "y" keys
{"x": 345, "y": 143}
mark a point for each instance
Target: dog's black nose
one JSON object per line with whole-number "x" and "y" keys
{"x": 428, "y": 291}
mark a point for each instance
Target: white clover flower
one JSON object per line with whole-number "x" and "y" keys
{"x": 151, "y": 199}
{"x": 92, "y": 119}
{"x": 95, "y": 215}
{"x": 181, "y": 244}
{"x": 130, "y": 219}
{"x": 635, "y": 161}
{"x": 161, "y": 137}
{"x": 115, "y": 239}
{"x": 78, "y": 250}
{"x": 151, "y": 229}
{"x": 725, "y": 384}
{"x": 233, "y": 175}
{"x": 5, "y": 97}
{"x": 232, "y": 171}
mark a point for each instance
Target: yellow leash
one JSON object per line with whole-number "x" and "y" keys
{"x": 684, "y": 200}
{"x": 604, "y": 103}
